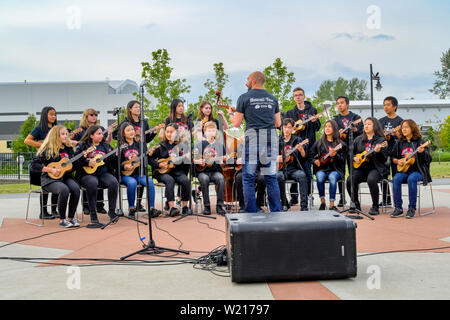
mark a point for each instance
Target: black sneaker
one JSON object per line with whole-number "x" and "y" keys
{"x": 374, "y": 211}
{"x": 112, "y": 215}
{"x": 94, "y": 218}
{"x": 186, "y": 211}
{"x": 304, "y": 209}
{"x": 411, "y": 213}
{"x": 285, "y": 208}
{"x": 333, "y": 208}
{"x": 219, "y": 210}
{"x": 46, "y": 216}
{"x": 292, "y": 203}
{"x": 86, "y": 210}
{"x": 322, "y": 206}
{"x": 397, "y": 213}
{"x": 340, "y": 204}
{"x": 166, "y": 206}
{"x": 140, "y": 208}
{"x": 155, "y": 212}
{"x": 207, "y": 211}
{"x": 132, "y": 212}
{"x": 55, "y": 214}
{"x": 174, "y": 212}
{"x": 102, "y": 211}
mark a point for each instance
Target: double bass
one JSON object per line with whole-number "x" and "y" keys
{"x": 231, "y": 144}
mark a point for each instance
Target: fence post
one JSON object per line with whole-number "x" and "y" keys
{"x": 18, "y": 165}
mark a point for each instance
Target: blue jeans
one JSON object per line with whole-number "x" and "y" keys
{"x": 261, "y": 155}
{"x": 333, "y": 177}
{"x": 411, "y": 179}
{"x": 132, "y": 182}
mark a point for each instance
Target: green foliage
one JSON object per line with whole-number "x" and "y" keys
{"x": 160, "y": 86}
{"x": 28, "y": 125}
{"x": 279, "y": 82}
{"x": 70, "y": 125}
{"x": 444, "y": 134}
{"x": 354, "y": 89}
{"x": 442, "y": 83}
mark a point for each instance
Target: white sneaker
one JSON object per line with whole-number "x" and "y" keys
{"x": 75, "y": 222}
{"x": 66, "y": 224}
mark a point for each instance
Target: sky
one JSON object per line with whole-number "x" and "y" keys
{"x": 319, "y": 40}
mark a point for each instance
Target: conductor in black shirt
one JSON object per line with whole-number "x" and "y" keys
{"x": 262, "y": 114}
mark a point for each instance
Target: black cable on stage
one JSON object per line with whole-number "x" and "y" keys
{"x": 401, "y": 251}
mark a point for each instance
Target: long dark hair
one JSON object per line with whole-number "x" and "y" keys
{"x": 129, "y": 106}
{"x": 43, "y": 123}
{"x": 336, "y": 137}
{"x": 87, "y": 135}
{"x": 416, "y": 135}
{"x": 173, "y": 111}
{"x": 377, "y": 128}
{"x": 122, "y": 128}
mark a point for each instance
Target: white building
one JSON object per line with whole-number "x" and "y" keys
{"x": 70, "y": 99}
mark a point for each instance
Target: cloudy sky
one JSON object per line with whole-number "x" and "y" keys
{"x": 318, "y": 40}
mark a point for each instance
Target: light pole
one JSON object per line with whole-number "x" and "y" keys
{"x": 378, "y": 86}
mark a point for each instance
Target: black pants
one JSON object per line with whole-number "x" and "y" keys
{"x": 372, "y": 177}
{"x": 217, "y": 177}
{"x": 260, "y": 189}
{"x": 106, "y": 181}
{"x": 63, "y": 190}
{"x": 44, "y": 200}
{"x": 385, "y": 185}
{"x": 100, "y": 203}
{"x": 170, "y": 179}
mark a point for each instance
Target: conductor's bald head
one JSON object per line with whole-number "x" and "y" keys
{"x": 256, "y": 80}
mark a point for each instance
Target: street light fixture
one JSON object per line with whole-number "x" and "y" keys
{"x": 378, "y": 86}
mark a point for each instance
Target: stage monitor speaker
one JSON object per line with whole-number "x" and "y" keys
{"x": 303, "y": 245}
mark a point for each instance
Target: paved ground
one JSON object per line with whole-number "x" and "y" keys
{"x": 418, "y": 274}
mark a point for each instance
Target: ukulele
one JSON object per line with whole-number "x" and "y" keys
{"x": 99, "y": 160}
{"x": 112, "y": 126}
{"x": 410, "y": 159}
{"x": 74, "y": 132}
{"x": 300, "y": 125}
{"x": 65, "y": 164}
{"x": 159, "y": 126}
{"x": 209, "y": 161}
{"x": 324, "y": 158}
{"x": 387, "y": 133}
{"x": 135, "y": 162}
{"x": 343, "y": 132}
{"x": 289, "y": 157}
{"x": 363, "y": 156}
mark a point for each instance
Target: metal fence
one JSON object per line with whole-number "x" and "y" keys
{"x": 14, "y": 166}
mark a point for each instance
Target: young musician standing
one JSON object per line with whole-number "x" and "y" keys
{"x": 210, "y": 148}
{"x": 294, "y": 170}
{"x": 262, "y": 115}
{"x": 168, "y": 152}
{"x": 344, "y": 119}
{"x": 35, "y": 139}
{"x": 389, "y": 123}
{"x": 102, "y": 177}
{"x": 328, "y": 162}
{"x": 304, "y": 110}
{"x": 205, "y": 114}
{"x": 133, "y": 178}
{"x": 374, "y": 168}
{"x": 56, "y": 146}
{"x": 410, "y": 141}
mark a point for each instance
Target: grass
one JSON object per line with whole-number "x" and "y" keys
{"x": 438, "y": 170}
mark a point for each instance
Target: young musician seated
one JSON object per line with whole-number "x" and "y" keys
{"x": 35, "y": 139}
{"x": 88, "y": 119}
{"x": 292, "y": 170}
{"x": 259, "y": 181}
{"x": 372, "y": 168}
{"x": 409, "y": 142}
{"x": 132, "y": 178}
{"x": 167, "y": 167}
{"x": 210, "y": 172}
{"x": 56, "y": 146}
{"x": 328, "y": 159}
{"x": 102, "y": 177}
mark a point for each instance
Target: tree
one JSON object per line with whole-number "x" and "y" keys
{"x": 160, "y": 86}
{"x": 444, "y": 134}
{"x": 218, "y": 83}
{"x": 354, "y": 89}
{"x": 442, "y": 84}
{"x": 279, "y": 83}
{"x": 28, "y": 125}
{"x": 70, "y": 125}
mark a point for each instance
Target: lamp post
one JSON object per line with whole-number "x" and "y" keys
{"x": 378, "y": 86}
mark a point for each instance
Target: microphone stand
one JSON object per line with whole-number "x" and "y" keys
{"x": 119, "y": 211}
{"x": 191, "y": 175}
{"x": 151, "y": 247}
{"x": 352, "y": 208}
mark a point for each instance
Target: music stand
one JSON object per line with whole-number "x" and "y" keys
{"x": 151, "y": 247}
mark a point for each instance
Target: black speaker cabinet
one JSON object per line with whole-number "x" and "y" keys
{"x": 307, "y": 245}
